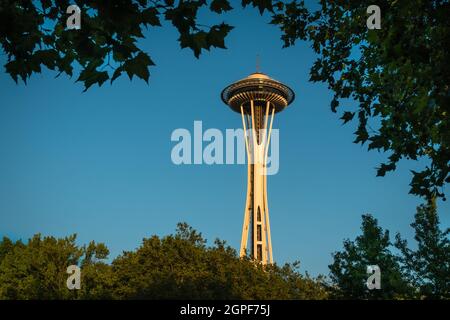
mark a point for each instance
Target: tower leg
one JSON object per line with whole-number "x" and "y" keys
{"x": 256, "y": 214}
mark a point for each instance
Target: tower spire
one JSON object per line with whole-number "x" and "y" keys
{"x": 258, "y": 64}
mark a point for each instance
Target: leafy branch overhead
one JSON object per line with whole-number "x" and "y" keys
{"x": 34, "y": 34}
{"x": 399, "y": 75}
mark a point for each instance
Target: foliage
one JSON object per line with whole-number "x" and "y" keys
{"x": 428, "y": 267}
{"x": 348, "y": 271}
{"x": 399, "y": 75}
{"x": 178, "y": 266}
{"x": 182, "y": 266}
{"x": 37, "y": 269}
{"x": 33, "y": 34}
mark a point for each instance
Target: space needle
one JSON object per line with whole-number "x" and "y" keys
{"x": 257, "y": 98}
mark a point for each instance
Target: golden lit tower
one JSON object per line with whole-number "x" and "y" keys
{"x": 257, "y": 98}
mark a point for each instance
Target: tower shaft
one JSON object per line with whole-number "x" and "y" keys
{"x": 257, "y": 98}
{"x": 257, "y": 132}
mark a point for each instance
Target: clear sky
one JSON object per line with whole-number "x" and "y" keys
{"x": 98, "y": 163}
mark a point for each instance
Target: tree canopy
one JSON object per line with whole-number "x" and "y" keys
{"x": 348, "y": 271}
{"x": 428, "y": 266}
{"x": 183, "y": 266}
{"x": 399, "y": 75}
{"x": 179, "y": 266}
{"x": 406, "y": 273}
{"x": 37, "y": 269}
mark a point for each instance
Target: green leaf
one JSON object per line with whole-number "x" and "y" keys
{"x": 217, "y": 34}
{"x": 117, "y": 73}
{"x": 372, "y": 36}
{"x": 91, "y": 77}
{"x": 381, "y": 171}
{"x": 13, "y": 68}
{"x": 378, "y": 142}
{"x": 138, "y": 66}
{"x": 261, "y": 4}
{"x": 220, "y": 6}
{"x": 361, "y": 135}
{"x": 347, "y": 116}
{"x": 46, "y": 4}
{"x": 151, "y": 16}
{"x": 334, "y": 104}
{"x": 47, "y": 57}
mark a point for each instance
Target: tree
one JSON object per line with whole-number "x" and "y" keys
{"x": 428, "y": 267}
{"x": 97, "y": 278}
{"x": 37, "y": 269}
{"x": 348, "y": 272}
{"x": 181, "y": 266}
{"x": 399, "y": 75}
{"x": 178, "y": 266}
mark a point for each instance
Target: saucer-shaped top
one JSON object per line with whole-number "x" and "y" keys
{"x": 260, "y": 88}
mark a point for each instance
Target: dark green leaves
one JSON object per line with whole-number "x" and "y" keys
{"x": 49, "y": 58}
{"x": 334, "y": 104}
{"x": 199, "y": 40}
{"x": 381, "y": 171}
{"x": 425, "y": 182}
{"x": 220, "y": 6}
{"x": 347, "y": 116}
{"x": 92, "y": 76}
{"x": 138, "y": 66}
{"x": 106, "y": 45}
{"x": 379, "y": 142}
{"x": 15, "y": 69}
{"x": 397, "y": 75}
{"x": 217, "y": 34}
{"x": 151, "y": 16}
{"x": 46, "y": 4}
{"x": 108, "y": 37}
{"x": 262, "y": 5}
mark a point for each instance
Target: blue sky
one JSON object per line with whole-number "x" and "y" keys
{"x": 98, "y": 163}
